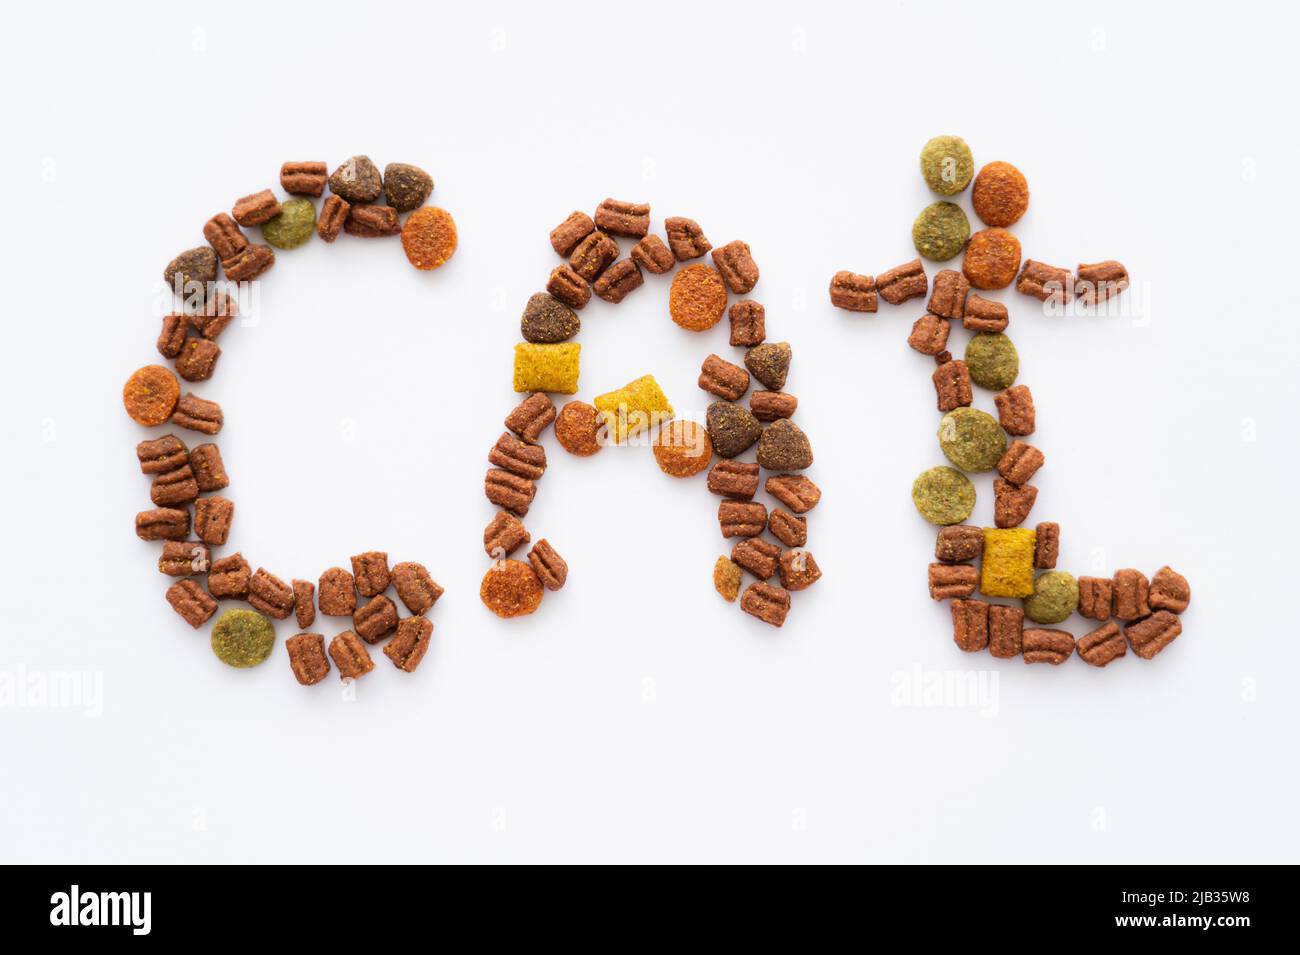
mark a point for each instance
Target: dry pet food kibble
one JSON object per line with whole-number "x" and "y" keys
{"x": 1148, "y": 637}
{"x": 409, "y": 645}
{"x": 406, "y": 187}
{"x": 509, "y": 491}
{"x": 504, "y": 535}
{"x": 770, "y": 363}
{"x": 198, "y": 359}
{"x": 209, "y": 471}
{"x": 1047, "y": 646}
{"x": 1020, "y": 463}
{"x": 638, "y": 405}
{"x": 212, "y": 517}
{"x": 161, "y": 455}
{"x": 617, "y": 217}
{"x": 726, "y": 578}
{"x": 163, "y": 523}
{"x": 1012, "y": 502}
{"x": 593, "y": 255}
{"x": 686, "y": 238}
{"x": 304, "y": 605}
{"x": 741, "y": 518}
{"x": 429, "y": 237}
{"x": 653, "y": 256}
{"x": 548, "y": 565}
{"x": 197, "y": 414}
{"x": 767, "y": 603}
{"x": 172, "y": 337}
{"x": 242, "y": 638}
{"x": 618, "y": 280}
{"x": 1000, "y": 194}
{"x": 948, "y": 295}
{"x": 183, "y": 558}
{"x": 772, "y": 405}
{"x": 940, "y": 231}
{"x": 269, "y": 594}
{"x": 1047, "y": 545}
{"x": 737, "y": 266}
{"x": 1098, "y": 647}
{"x": 546, "y": 320}
{"x": 970, "y": 624}
{"x": 757, "y": 556}
{"x": 723, "y": 379}
{"x": 336, "y": 593}
{"x": 971, "y": 439}
{"x": 682, "y": 449}
{"x": 732, "y": 429}
{"x": 992, "y": 259}
{"x": 568, "y": 287}
{"x": 854, "y": 292}
{"x": 350, "y": 656}
{"x": 1100, "y": 281}
{"x": 943, "y": 495}
{"x": 255, "y": 209}
{"x": 952, "y": 385}
{"x": 1016, "y": 410}
{"x": 228, "y": 577}
{"x": 1169, "y": 590}
{"x": 734, "y": 479}
{"x": 1006, "y": 630}
{"x": 1095, "y": 597}
{"x": 150, "y": 395}
{"x": 511, "y": 588}
{"x": 929, "y": 334}
{"x": 958, "y": 543}
{"x": 905, "y": 282}
{"x": 794, "y": 491}
{"x": 372, "y": 222}
{"x": 415, "y": 587}
{"x": 952, "y": 580}
{"x": 748, "y": 323}
{"x": 1045, "y": 282}
{"x": 578, "y": 429}
{"x": 293, "y": 226}
{"x": 190, "y": 600}
{"x": 798, "y": 569}
{"x": 303, "y": 178}
{"x": 531, "y": 417}
{"x": 552, "y": 368}
{"x": 518, "y": 457}
{"x": 992, "y": 360}
{"x": 1007, "y": 567}
{"x": 566, "y": 236}
{"x": 190, "y": 273}
{"x": 1055, "y": 597}
{"x": 1131, "y": 591}
{"x": 697, "y": 298}
{"x": 784, "y": 447}
{"x": 947, "y": 164}
{"x": 790, "y": 530}
{"x": 333, "y": 213}
{"x": 174, "y": 487}
{"x": 357, "y": 180}
{"x": 307, "y": 658}
{"x": 375, "y": 619}
{"x": 984, "y": 315}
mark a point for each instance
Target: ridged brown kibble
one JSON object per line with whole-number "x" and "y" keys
{"x": 225, "y": 236}
{"x": 970, "y": 625}
{"x": 1096, "y": 597}
{"x": 371, "y": 222}
{"x": 734, "y": 479}
{"x": 770, "y": 363}
{"x": 748, "y": 323}
{"x": 983, "y": 315}
{"x": 579, "y": 428}
{"x": 794, "y": 491}
{"x": 375, "y": 619}
{"x": 256, "y": 208}
{"x": 686, "y": 238}
{"x": 618, "y": 217}
{"x": 653, "y": 256}
{"x": 228, "y": 578}
{"x": 504, "y": 535}
{"x": 737, "y": 267}
{"x": 161, "y": 454}
{"x": 1131, "y": 590}
{"x": 952, "y": 387}
{"x": 509, "y": 491}
{"x": 350, "y": 656}
{"x": 1098, "y": 647}
{"x": 741, "y": 518}
{"x": 415, "y": 587}
{"x": 217, "y": 312}
{"x": 618, "y": 281}
{"x": 531, "y": 416}
{"x": 757, "y": 556}
{"x": 1006, "y": 630}
{"x": 1169, "y": 590}
{"x": 518, "y": 457}
{"x": 198, "y": 414}
{"x": 1045, "y": 282}
{"x": 798, "y": 569}
{"x": 192, "y": 602}
{"x": 253, "y": 262}
{"x": 784, "y": 447}
{"x": 948, "y": 295}
{"x": 197, "y": 359}
{"x": 1047, "y": 646}
{"x": 723, "y": 378}
{"x": 333, "y": 213}
{"x": 929, "y": 334}
{"x": 905, "y": 282}
{"x": 1149, "y": 636}
{"x": 336, "y": 593}
{"x": 856, "y": 293}
{"x": 958, "y": 543}
{"x": 184, "y": 558}
{"x": 772, "y": 405}
{"x": 307, "y": 658}
{"x": 172, "y": 336}
{"x": 174, "y": 488}
{"x": 303, "y": 178}
{"x": 304, "y": 602}
{"x": 549, "y": 566}
{"x": 370, "y": 572}
{"x": 789, "y": 529}
{"x": 566, "y": 236}
{"x": 1047, "y": 545}
{"x": 952, "y": 580}
{"x": 1020, "y": 462}
{"x": 209, "y": 470}
{"x": 767, "y": 603}
{"x": 593, "y": 255}
{"x": 269, "y": 594}
{"x": 409, "y": 643}
{"x": 1016, "y": 410}
{"x": 1101, "y": 281}
{"x": 163, "y": 523}
{"x": 1012, "y": 502}
{"x": 568, "y": 287}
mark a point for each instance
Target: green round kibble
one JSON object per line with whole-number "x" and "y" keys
{"x": 940, "y": 231}
{"x": 972, "y": 439}
{"x": 992, "y": 360}
{"x": 1055, "y": 597}
{"x": 293, "y": 226}
{"x": 943, "y": 495}
{"x": 242, "y": 638}
{"x": 947, "y": 164}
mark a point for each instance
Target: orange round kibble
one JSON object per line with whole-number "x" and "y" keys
{"x": 511, "y": 588}
{"x": 429, "y": 237}
{"x": 992, "y": 259}
{"x": 1000, "y": 194}
{"x": 697, "y": 298}
{"x": 682, "y": 448}
{"x": 150, "y": 395}
{"x": 578, "y": 428}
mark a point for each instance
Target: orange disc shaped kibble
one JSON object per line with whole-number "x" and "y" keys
{"x": 1000, "y": 194}
{"x": 429, "y": 237}
{"x": 683, "y": 448}
{"x": 150, "y": 395}
{"x": 578, "y": 429}
{"x": 697, "y": 298}
{"x": 511, "y": 588}
{"x": 992, "y": 259}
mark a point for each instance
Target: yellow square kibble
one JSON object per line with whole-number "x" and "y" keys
{"x": 634, "y": 407}
{"x": 552, "y": 368}
{"x": 1008, "y": 565}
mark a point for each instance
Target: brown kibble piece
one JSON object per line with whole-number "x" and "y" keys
{"x": 531, "y": 416}
{"x": 741, "y": 518}
{"x": 209, "y": 471}
{"x": 929, "y": 334}
{"x": 198, "y": 359}
{"x": 697, "y": 298}
{"x": 1047, "y": 545}
{"x": 183, "y": 558}
{"x": 686, "y": 238}
{"x": 617, "y": 281}
{"x": 410, "y": 644}
{"x": 333, "y": 213}
{"x": 370, "y": 571}
{"x": 192, "y": 602}
{"x": 372, "y": 222}
{"x": 854, "y": 292}
{"x": 198, "y": 414}
{"x": 1045, "y": 282}
{"x": 1012, "y": 502}
{"x": 772, "y": 405}
{"x": 249, "y": 264}
{"x": 269, "y": 594}
{"x": 902, "y": 283}
{"x": 770, "y": 363}
{"x": 769, "y": 604}
{"x": 1047, "y": 646}
{"x": 794, "y": 491}
{"x": 568, "y": 287}
{"x": 212, "y": 518}
{"x": 1000, "y": 194}
{"x": 748, "y": 323}
{"x": 757, "y": 556}
{"x": 1148, "y": 637}
{"x": 150, "y": 395}
{"x": 789, "y": 529}
{"x": 1020, "y": 462}
{"x": 1006, "y": 630}
{"x": 173, "y": 488}
{"x": 992, "y": 259}
{"x": 307, "y": 657}
{"x": 162, "y": 523}
{"x": 337, "y": 594}
{"x": 798, "y": 569}
{"x": 225, "y": 236}
{"x": 952, "y": 580}
{"x": 375, "y": 619}
{"x": 161, "y": 454}
{"x": 509, "y": 491}
{"x": 256, "y": 209}
{"x": 1096, "y": 597}
{"x": 304, "y": 603}
{"x": 1101, "y": 281}
{"x": 1098, "y": 647}
{"x": 229, "y": 577}
{"x": 958, "y": 543}
{"x": 1016, "y": 410}
{"x": 1169, "y": 590}
{"x": 984, "y": 315}
{"x": 350, "y": 656}
{"x": 737, "y": 266}
{"x": 518, "y": 456}
{"x": 511, "y": 588}
{"x": 217, "y": 312}
{"x": 416, "y": 588}
{"x": 303, "y": 179}
{"x": 1131, "y": 590}
{"x": 948, "y": 295}
{"x": 726, "y": 578}
{"x": 723, "y": 378}
{"x": 549, "y": 566}
{"x": 617, "y": 217}
{"x": 566, "y": 236}
{"x": 172, "y": 337}
{"x": 578, "y": 428}
{"x": 734, "y": 479}
{"x": 653, "y": 256}
{"x": 592, "y": 256}
{"x": 970, "y": 625}
{"x": 952, "y": 387}
{"x": 504, "y": 535}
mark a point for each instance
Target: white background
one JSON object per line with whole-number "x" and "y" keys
{"x": 636, "y": 716}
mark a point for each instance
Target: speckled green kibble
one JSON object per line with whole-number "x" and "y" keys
{"x": 293, "y": 226}
{"x": 972, "y": 439}
{"x": 242, "y": 638}
{"x": 1055, "y": 597}
{"x": 943, "y": 495}
{"x": 992, "y": 360}
{"x": 947, "y": 165}
{"x": 940, "y": 231}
